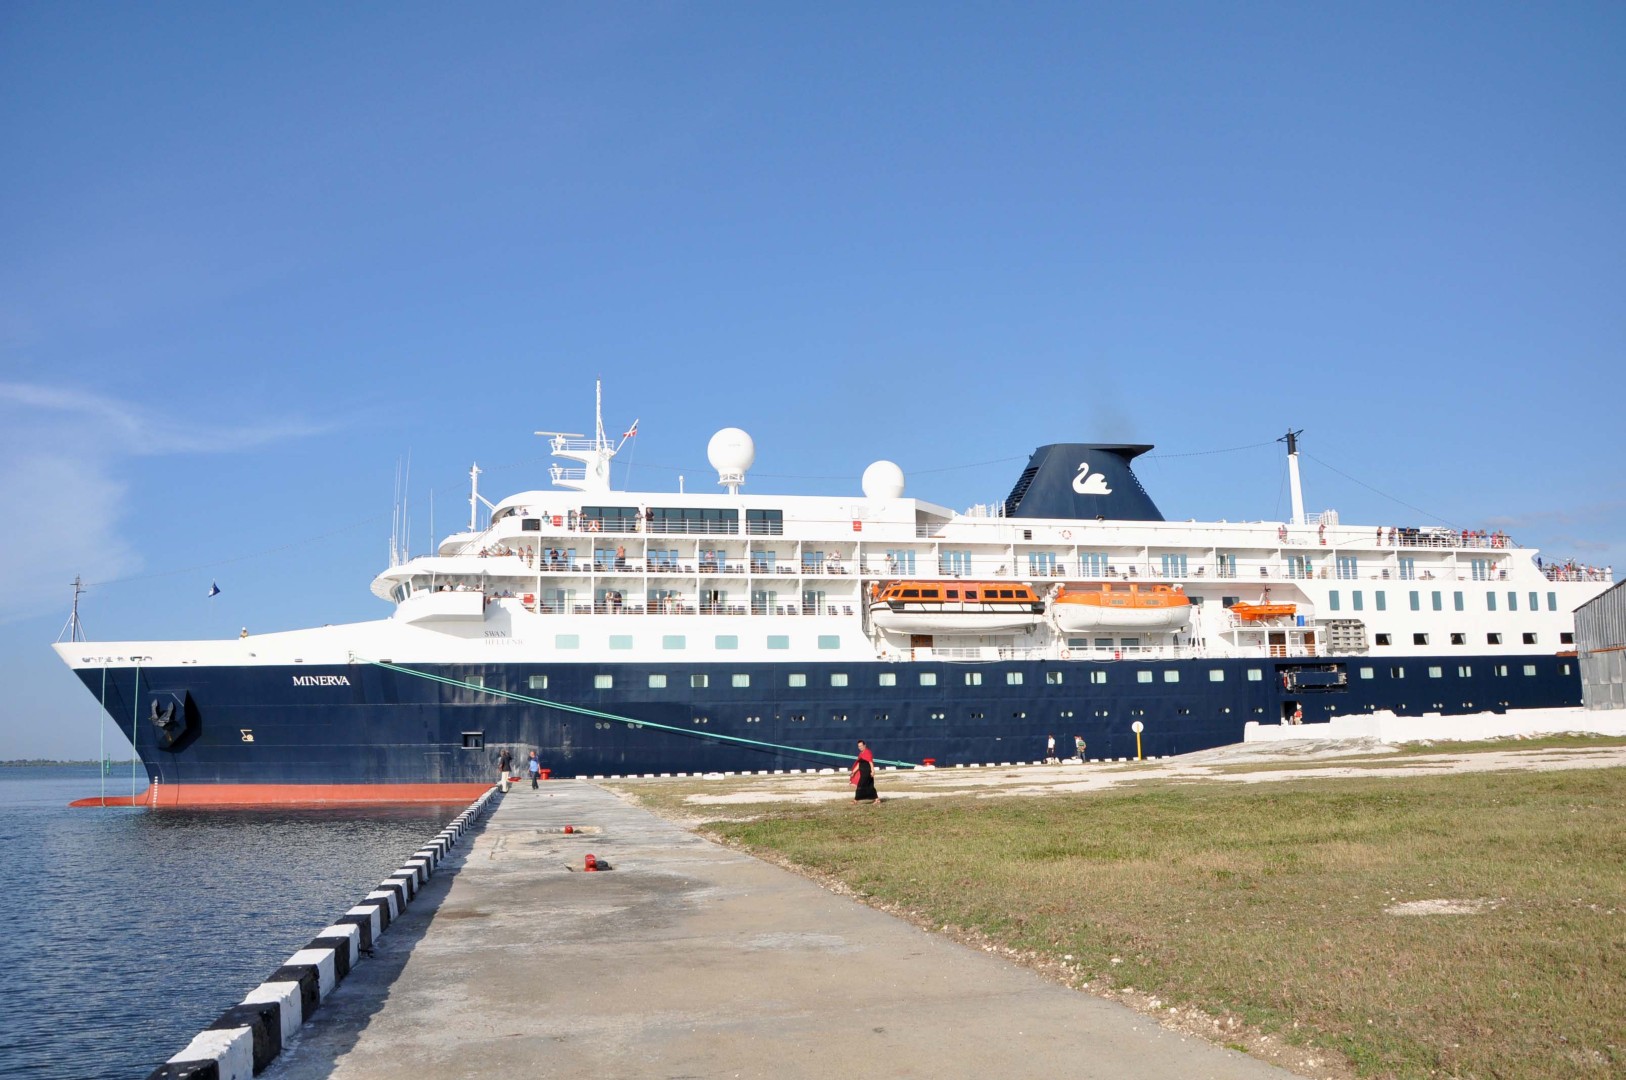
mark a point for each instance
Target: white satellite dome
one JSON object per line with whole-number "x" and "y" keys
{"x": 883, "y": 480}
{"x": 732, "y": 453}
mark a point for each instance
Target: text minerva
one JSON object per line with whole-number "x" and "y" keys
{"x": 321, "y": 680}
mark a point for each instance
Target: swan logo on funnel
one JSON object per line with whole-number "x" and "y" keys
{"x": 1088, "y": 483}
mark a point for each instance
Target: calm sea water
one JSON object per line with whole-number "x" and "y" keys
{"x": 126, "y": 932}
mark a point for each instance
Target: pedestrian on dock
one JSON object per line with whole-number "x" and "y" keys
{"x": 505, "y": 762}
{"x": 1050, "y": 757}
{"x": 863, "y": 776}
{"x": 1078, "y": 745}
{"x": 534, "y": 767}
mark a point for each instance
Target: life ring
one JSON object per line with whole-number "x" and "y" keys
{"x": 1067, "y": 654}
{"x": 1067, "y": 534}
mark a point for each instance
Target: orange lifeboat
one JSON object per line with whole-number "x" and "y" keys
{"x": 1260, "y": 612}
{"x": 1117, "y": 606}
{"x": 955, "y": 607}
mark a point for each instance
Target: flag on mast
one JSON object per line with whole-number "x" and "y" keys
{"x": 214, "y": 590}
{"x": 630, "y": 432}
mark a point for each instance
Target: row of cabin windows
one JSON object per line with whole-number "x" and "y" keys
{"x": 886, "y": 678}
{"x": 1357, "y": 600}
{"x": 724, "y": 642}
{"x": 794, "y": 680}
{"x": 1565, "y": 637}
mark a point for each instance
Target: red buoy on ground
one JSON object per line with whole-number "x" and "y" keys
{"x": 592, "y": 864}
{"x": 570, "y": 828}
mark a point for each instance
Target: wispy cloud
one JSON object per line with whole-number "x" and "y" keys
{"x": 135, "y": 430}
{"x": 60, "y": 449}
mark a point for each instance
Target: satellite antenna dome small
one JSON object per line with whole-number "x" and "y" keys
{"x": 883, "y": 480}
{"x": 732, "y": 453}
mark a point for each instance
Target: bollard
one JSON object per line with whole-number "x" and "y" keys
{"x": 570, "y": 828}
{"x": 591, "y": 864}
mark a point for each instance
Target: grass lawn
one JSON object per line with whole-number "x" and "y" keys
{"x": 1267, "y": 903}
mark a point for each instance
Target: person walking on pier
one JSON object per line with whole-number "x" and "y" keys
{"x": 1078, "y": 745}
{"x": 534, "y": 767}
{"x": 1050, "y": 750}
{"x": 863, "y": 775}
{"x": 505, "y": 762}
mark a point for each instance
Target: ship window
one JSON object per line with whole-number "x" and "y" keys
{"x": 620, "y": 641}
{"x": 1434, "y": 600}
{"x": 927, "y": 594}
{"x": 1434, "y": 672}
{"x": 742, "y": 680}
{"x": 1366, "y": 673}
{"x": 1216, "y": 675}
{"x": 1383, "y": 600}
{"x": 1227, "y": 601}
{"x": 474, "y": 740}
{"x": 971, "y": 594}
{"x": 795, "y": 679}
{"x": 765, "y": 522}
{"x": 1535, "y": 602}
{"x": 1530, "y": 669}
{"x": 911, "y": 594}
{"x": 829, "y": 641}
{"x": 1563, "y": 669}
{"x": 530, "y": 524}
{"x": 973, "y": 678}
{"x": 1456, "y": 601}
{"x": 778, "y": 641}
{"x": 1529, "y": 639}
{"x": 1465, "y": 671}
{"x": 887, "y": 678}
{"x": 838, "y": 678}
{"x": 1332, "y": 599}
{"x": 1397, "y": 673}
{"x": 928, "y": 678}
{"x": 728, "y": 641}
{"x": 603, "y": 682}
{"x": 1459, "y": 639}
{"x": 567, "y": 641}
{"x": 657, "y": 682}
{"x": 1500, "y": 670}
{"x": 537, "y": 682}
{"x": 1053, "y": 678}
{"x": 1098, "y": 677}
{"x": 672, "y": 641}
{"x": 1171, "y": 676}
{"x": 1416, "y": 601}
{"x": 1143, "y": 676}
{"x": 1256, "y": 674}
{"x": 1512, "y": 600}
{"x": 1384, "y": 639}
{"x": 1493, "y": 639}
{"x": 699, "y": 682}
{"x": 1419, "y": 639}
{"x": 953, "y": 594}
{"x": 1355, "y": 599}
{"x": 1490, "y": 601}
{"x": 1552, "y": 601}
{"x": 1566, "y": 637}
{"x": 1013, "y": 678}
{"x": 1007, "y": 594}
{"x": 1103, "y": 643}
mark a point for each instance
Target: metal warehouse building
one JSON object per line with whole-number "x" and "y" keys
{"x": 1600, "y": 642}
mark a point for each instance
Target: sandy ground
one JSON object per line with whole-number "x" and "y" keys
{"x": 1242, "y": 763}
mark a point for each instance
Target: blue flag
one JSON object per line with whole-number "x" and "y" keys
{"x": 214, "y": 590}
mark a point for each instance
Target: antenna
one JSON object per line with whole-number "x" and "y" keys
{"x": 474, "y": 496}
{"x": 1292, "y": 441}
{"x": 75, "y": 630}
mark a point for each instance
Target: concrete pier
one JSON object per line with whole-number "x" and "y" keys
{"x": 688, "y": 959}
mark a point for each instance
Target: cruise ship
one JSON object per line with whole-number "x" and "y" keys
{"x": 629, "y": 633}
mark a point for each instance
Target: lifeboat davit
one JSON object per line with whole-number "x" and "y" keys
{"x": 1262, "y": 612}
{"x": 1121, "y": 607}
{"x": 955, "y": 607}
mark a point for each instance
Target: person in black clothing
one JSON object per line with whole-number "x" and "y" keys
{"x": 863, "y": 776}
{"x": 505, "y": 761}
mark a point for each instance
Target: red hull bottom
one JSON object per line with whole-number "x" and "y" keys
{"x": 258, "y": 796}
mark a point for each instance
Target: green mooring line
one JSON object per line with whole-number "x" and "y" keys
{"x": 583, "y": 711}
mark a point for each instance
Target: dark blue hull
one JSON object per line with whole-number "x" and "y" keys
{"x": 362, "y": 724}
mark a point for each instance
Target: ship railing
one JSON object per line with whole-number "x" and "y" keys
{"x": 1575, "y": 572}
{"x": 1099, "y": 653}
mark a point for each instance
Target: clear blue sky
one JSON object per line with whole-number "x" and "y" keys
{"x": 253, "y": 255}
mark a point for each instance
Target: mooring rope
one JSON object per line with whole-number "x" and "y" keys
{"x": 581, "y": 710}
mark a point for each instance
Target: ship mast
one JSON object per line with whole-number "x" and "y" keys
{"x": 1292, "y": 441}
{"x": 75, "y": 630}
